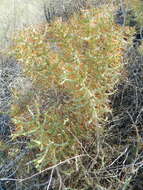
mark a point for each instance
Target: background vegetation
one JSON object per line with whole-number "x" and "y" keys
{"x": 76, "y": 122}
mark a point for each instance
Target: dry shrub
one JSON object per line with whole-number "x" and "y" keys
{"x": 137, "y": 8}
{"x": 74, "y": 67}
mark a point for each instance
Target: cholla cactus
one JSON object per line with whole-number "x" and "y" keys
{"x": 62, "y": 8}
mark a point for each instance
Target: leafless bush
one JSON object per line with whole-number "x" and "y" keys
{"x": 62, "y": 8}
{"x": 9, "y": 70}
{"x": 66, "y": 8}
